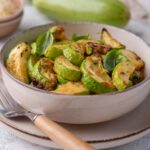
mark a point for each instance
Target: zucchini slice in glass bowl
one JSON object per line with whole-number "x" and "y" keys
{"x": 95, "y": 77}
{"x": 64, "y": 68}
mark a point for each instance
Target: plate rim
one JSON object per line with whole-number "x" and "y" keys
{"x": 135, "y": 133}
{"x": 99, "y": 144}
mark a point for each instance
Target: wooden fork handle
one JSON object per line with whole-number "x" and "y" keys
{"x": 61, "y": 136}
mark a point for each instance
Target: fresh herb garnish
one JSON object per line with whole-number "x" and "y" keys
{"x": 76, "y": 37}
{"x": 44, "y": 40}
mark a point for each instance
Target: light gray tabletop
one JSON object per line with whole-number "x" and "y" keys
{"x": 11, "y": 142}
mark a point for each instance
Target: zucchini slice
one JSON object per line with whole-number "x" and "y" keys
{"x": 73, "y": 88}
{"x": 107, "y": 39}
{"x": 53, "y": 51}
{"x": 66, "y": 70}
{"x": 95, "y": 77}
{"x": 33, "y": 49}
{"x": 137, "y": 77}
{"x": 73, "y": 56}
{"x": 61, "y": 80}
{"x": 17, "y": 62}
{"x": 89, "y": 47}
{"x": 58, "y": 33}
{"x": 123, "y": 75}
{"x": 96, "y": 48}
{"x": 31, "y": 62}
{"x": 134, "y": 59}
{"x": 43, "y": 75}
{"x": 112, "y": 58}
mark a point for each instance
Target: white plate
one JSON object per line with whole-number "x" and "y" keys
{"x": 105, "y": 135}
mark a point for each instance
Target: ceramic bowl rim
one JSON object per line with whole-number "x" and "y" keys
{"x": 2, "y": 61}
{"x": 13, "y": 20}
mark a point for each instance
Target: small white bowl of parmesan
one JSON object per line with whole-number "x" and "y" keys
{"x": 10, "y": 9}
{"x": 11, "y": 12}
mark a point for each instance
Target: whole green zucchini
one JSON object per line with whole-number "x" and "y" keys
{"x": 113, "y": 12}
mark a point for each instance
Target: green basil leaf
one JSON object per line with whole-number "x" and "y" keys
{"x": 76, "y": 37}
{"x": 44, "y": 40}
{"x": 112, "y": 58}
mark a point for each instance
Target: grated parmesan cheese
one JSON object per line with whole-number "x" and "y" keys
{"x": 7, "y": 8}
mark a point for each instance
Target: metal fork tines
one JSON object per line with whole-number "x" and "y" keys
{"x": 10, "y": 108}
{"x": 52, "y": 129}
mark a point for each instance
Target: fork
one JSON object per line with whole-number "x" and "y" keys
{"x": 61, "y": 136}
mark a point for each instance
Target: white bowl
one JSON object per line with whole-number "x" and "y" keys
{"x": 20, "y": 5}
{"x": 79, "y": 109}
{"x": 8, "y": 27}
